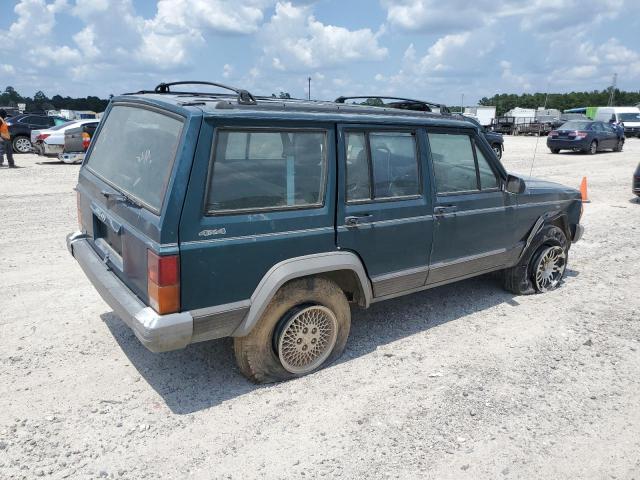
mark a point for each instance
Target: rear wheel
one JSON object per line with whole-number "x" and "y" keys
{"x": 593, "y": 148}
{"x": 304, "y": 328}
{"x": 21, "y": 144}
{"x": 542, "y": 266}
{"x": 555, "y": 150}
{"x": 619, "y": 146}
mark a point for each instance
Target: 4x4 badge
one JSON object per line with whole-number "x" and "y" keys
{"x": 209, "y": 233}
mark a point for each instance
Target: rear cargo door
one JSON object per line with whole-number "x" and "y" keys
{"x": 129, "y": 191}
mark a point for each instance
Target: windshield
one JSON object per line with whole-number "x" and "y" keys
{"x": 575, "y": 125}
{"x": 629, "y": 117}
{"x": 134, "y": 152}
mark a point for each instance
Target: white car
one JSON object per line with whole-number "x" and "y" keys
{"x": 50, "y": 142}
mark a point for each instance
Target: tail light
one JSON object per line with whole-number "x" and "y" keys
{"x": 42, "y": 136}
{"x": 553, "y": 133}
{"x": 581, "y": 135}
{"x": 86, "y": 140}
{"x": 163, "y": 282}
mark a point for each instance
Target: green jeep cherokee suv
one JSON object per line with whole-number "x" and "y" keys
{"x": 206, "y": 215}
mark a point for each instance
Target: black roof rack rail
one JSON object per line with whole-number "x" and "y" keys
{"x": 401, "y": 103}
{"x": 244, "y": 97}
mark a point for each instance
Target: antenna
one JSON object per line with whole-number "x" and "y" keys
{"x": 612, "y": 90}
{"x": 535, "y": 150}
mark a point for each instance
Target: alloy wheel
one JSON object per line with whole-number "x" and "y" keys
{"x": 22, "y": 145}
{"x": 307, "y": 339}
{"x": 549, "y": 269}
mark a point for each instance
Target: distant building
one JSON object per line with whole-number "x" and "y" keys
{"x": 483, "y": 114}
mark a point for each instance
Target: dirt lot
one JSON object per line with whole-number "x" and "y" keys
{"x": 464, "y": 381}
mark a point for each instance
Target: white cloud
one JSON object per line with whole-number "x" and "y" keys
{"x": 593, "y": 62}
{"x": 295, "y": 40}
{"x": 432, "y": 16}
{"x": 227, "y": 70}
{"x": 36, "y": 19}
{"x": 8, "y": 69}
{"x": 224, "y": 16}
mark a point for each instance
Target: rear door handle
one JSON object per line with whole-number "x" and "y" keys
{"x": 354, "y": 220}
{"x": 440, "y": 211}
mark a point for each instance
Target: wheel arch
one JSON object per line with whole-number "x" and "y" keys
{"x": 558, "y": 218}
{"x": 343, "y": 268}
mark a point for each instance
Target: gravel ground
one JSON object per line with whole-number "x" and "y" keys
{"x": 463, "y": 381}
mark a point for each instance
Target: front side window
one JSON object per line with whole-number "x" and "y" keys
{"x": 453, "y": 162}
{"x": 488, "y": 178}
{"x": 389, "y": 158}
{"x": 257, "y": 170}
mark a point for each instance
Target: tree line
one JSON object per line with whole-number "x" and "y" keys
{"x": 503, "y": 102}
{"x": 561, "y": 101}
{"x": 40, "y": 102}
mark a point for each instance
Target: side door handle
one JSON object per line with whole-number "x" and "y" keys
{"x": 443, "y": 210}
{"x": 355, "y": 220}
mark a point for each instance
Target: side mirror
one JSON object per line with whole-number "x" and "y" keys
{"x": 515, "y": 184}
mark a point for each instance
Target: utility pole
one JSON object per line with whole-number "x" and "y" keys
{"x": 309, "y": 87}
{"x": 612, "y": 90}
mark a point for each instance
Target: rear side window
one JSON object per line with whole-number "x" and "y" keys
{"x": 258, "y": 170}
{"x": 135, "y": 151}
{"x": 381, "y": 165}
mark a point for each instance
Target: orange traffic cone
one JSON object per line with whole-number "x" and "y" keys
{"x": 583, "y": 190}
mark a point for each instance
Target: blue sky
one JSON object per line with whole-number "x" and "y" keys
{"x": 430, "y": 49}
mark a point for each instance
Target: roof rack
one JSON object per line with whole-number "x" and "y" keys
{"x": 244, "y": 97}
{"x": 401, "y": 103}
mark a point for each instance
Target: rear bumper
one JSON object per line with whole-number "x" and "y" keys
{"x": 577, "y": 233}
{"x": 159, "y": 333}
{"x": 568, "y": 144}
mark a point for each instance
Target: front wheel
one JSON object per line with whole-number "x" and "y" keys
{"x": 555, "y": 150}
{"x": 619, "y": 146}
{"x": 21, "y": 144}
{"x": 304, "y": 328}
{"x": 542, "y": 266}
{"x": 497, "y": 149}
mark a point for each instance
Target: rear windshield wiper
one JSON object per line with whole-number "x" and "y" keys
{"x": 121, "y": 197}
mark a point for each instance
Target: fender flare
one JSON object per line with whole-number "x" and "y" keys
{"x": 298, "y": 267}
{"x": 546, "y": 219}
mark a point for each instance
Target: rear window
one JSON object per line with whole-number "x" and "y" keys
{"x": 135, "y": 152}
{"x": 576, "y": 125}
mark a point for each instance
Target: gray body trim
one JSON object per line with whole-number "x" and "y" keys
{"x": 401, "y": 281}
{"x": 293, "y": 268}
{"x": 159, "y": 333}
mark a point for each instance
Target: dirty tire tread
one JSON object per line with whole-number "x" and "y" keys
{"x": 517, "y": 279}
{"x": 254, "y": 353}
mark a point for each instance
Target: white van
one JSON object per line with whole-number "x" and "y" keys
{"x": 629, "y": 116}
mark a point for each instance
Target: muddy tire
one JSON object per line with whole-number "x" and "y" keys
{"x": 521, "y": 278}
{"x": 273, "y": 352}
